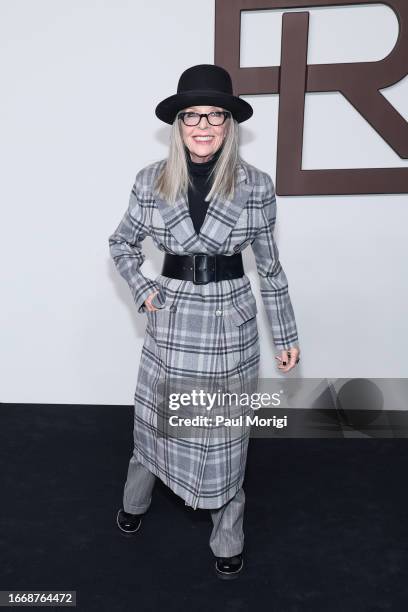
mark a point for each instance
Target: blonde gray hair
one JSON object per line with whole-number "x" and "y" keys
{"x": 174, "y": 180}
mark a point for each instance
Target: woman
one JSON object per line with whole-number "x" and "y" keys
{"x": 202, "y": 206}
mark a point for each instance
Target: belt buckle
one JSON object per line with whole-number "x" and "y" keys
{"x": 204, "y": 278}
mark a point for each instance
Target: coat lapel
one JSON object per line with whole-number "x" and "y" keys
{"x": 222, "y": 215}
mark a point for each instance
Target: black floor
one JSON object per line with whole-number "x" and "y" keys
{"x": 326, "y": 521}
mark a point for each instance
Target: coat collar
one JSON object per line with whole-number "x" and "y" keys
{"x": 222, "y": 215}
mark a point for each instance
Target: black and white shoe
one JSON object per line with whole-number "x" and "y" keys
{"x": 128, "y": 523}
{"x": 228, "y": 568}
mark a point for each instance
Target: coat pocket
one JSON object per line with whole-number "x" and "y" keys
{"x": 242, "y": 330}
{"x": 243, "y": 312}
{"x": 158, "y": 300}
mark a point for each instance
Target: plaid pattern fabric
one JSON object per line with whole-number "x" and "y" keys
{"x": 201, "y": 332}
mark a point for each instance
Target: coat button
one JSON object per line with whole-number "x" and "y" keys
{"x": 218, "y": 313}
{"x": 173, "y": 308}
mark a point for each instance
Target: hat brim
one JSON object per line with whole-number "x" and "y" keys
{"x": 167, "y": 109}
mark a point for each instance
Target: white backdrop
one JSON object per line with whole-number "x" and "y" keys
{"x": 80, "y": 81}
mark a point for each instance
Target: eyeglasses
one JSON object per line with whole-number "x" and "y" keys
{"x": 214, "y": 118}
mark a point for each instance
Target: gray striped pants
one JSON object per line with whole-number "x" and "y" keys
{"x": 227, "y": 536}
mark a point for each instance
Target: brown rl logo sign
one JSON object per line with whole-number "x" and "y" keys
{"x": 359, "y": 82}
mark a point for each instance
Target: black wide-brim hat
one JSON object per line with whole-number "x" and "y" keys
{"x": 204, "y": 85}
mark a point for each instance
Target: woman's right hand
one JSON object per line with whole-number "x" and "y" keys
{"x": 148, "y": 300}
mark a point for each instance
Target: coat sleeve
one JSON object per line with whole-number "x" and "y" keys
{"x": 273, "y": 281}
{"x": 126, "y": 251}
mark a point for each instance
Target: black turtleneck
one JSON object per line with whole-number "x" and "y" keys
{"x": 199, "y": 173}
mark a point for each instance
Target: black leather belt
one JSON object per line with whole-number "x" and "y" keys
{"x": 202, "y": 268}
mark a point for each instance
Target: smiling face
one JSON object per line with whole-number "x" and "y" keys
{"x": 203, "y": 140}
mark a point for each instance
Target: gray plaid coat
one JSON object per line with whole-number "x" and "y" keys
{"x": 208, "y": 330}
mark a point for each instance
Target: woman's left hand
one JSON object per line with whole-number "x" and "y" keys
{"x": 288, "y": 359}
